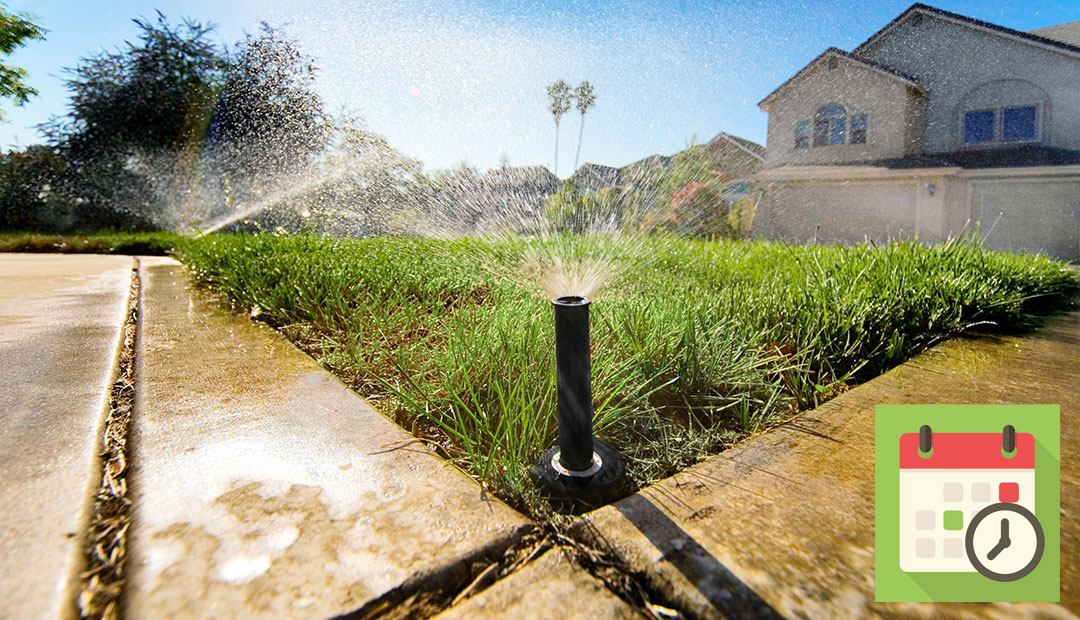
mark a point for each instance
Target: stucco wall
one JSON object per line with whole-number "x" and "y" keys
{"x": 951, "y": 61}
{"x": 892, "y": 109}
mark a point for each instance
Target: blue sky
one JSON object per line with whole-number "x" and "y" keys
{"x": 462, "y": 80}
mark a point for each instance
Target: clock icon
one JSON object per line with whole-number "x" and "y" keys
{"x": 1004, "y": 541}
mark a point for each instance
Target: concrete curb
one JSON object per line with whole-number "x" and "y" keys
{"x": 264, "y": 488}
{"x": 782, "y": 524}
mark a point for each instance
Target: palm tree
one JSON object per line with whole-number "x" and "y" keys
{"x": 585, "y": 100}
{"x": 558, "y": 103}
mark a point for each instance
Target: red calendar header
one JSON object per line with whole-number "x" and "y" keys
{"x": 967, "y": 451}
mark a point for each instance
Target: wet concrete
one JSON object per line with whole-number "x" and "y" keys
{"x": 783, "y": 524}
{"x": 549, "y": 588}
{"x": 60, "y": 320}
{"x": 263, "y": 488}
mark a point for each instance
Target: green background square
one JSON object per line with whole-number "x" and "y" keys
{"x": 954, "y": 519}
{"x": 894, "y": 585}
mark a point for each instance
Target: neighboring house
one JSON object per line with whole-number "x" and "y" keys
{"x": 594, "y": 177}
{"x": 936, "y": 124}
{"x": 511, "y": 196}
{"x": 648, "y": 164}
{"x": 737, "y": 157}
{"x": 643, "y": 180}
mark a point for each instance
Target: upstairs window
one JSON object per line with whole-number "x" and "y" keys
{"x": 802, "y": 134}
{"x": 1018, "y": 124}
{"x": 858, "y": 129}
{"x": 830, "y": 125}
{"x": 979, "y": 127}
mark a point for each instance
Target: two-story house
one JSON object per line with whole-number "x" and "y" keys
{"x": 936, "y": 125}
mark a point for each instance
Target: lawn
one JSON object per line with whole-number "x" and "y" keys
{"x": 152, "y": 244}
{"x": 695, "y": 344}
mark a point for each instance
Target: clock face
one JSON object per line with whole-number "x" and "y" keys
{"x": 1004, "y": 541}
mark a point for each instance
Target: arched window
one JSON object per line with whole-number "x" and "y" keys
{"x": 830, "y": 125}
{"x": 1002, "y": 112}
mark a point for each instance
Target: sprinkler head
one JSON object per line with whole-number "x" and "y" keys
{"x": 574, "y": 491}
{"x": 580, "y": 468}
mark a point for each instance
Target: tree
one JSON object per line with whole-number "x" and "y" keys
{"x": 453, "y": 199}
{"x": 268, "y": 122}
{"x": 573, "y": 210}
{"x": 32, "y": 195}
{"x": 15, "y": 30}
{"x": 700, "y": 209}
{"x": 136, "y": 121}
{"x": 156, "y": 94}
{"x": 585, "y": 99}
{"x": 172, "y": 130}
{"x": 558, "y": 104}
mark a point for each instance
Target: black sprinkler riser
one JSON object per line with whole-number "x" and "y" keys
{"x": 574, "y": 382}
{"x": 579, "y": 472}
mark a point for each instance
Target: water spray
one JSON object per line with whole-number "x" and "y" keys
{"x": 579, "y": 467}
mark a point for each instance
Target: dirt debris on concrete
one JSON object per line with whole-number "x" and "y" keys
{"x": 106, "y": 539}
{"x": 431, "y": 594}
{"x": 452, "y": 587}
{"x": 631, "y": 585}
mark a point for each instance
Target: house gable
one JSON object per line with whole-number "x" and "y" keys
{"x": 918, "y": 11}
{"x": 968, "y": 66}
{"x": 827, "y": 59}
{"x": 852, "y": 91}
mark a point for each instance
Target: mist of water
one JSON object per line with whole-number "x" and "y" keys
{"x": 360, "y": 186}
{"x": 357, "y": 185}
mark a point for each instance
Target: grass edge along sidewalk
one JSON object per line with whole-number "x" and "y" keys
{"x": 695, "y": 344}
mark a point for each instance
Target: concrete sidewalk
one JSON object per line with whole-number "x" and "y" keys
{"x": 783, "y": 523}
{"x": 60, "y": 320}
{"x": 264, "y": 488}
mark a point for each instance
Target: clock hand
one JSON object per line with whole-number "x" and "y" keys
{"x": 1003, "y": 543}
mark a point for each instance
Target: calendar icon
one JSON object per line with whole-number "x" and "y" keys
{"x": 942, "y": 490}
{"x": 967, "y": 510}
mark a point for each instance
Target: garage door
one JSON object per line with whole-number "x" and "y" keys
{"x": 848, "y": 213}
{"x": 1030, "y": 215}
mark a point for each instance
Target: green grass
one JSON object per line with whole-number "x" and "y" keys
{"x": 147, "y": 244}
{"x": 694, "y": 344}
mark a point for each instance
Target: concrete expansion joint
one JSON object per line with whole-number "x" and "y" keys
{"x": 448, "y": 588}
{"x": 105, "y": 546}
{"x": 589, "y": 550}
{"x": 429, "y": 594}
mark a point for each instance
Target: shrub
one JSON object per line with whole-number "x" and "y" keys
{"x": 571, "y": 210}
{"x": 698, "y": 209}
